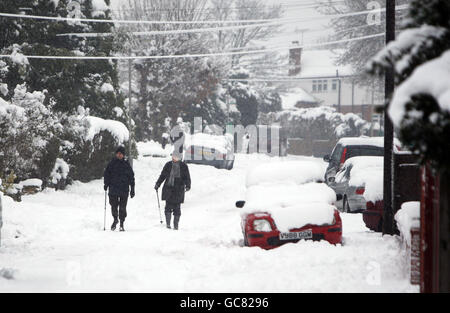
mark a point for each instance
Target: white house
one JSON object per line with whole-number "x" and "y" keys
{"x": 331, "y": 84}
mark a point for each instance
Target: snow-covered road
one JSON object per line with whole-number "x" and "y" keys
{"x": 54, "y": 241}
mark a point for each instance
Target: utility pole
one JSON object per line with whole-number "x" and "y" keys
{"x": 130, "y": 61}
{"x": 339, "y": 91}
{"x": 388, "y": 194}
{"x": 353, "y": 95}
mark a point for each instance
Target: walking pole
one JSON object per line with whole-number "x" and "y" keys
{"x": 104, "y": 217}
{"x": 159, "y": 207}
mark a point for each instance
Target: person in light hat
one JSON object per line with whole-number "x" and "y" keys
{"x": 177, "y": 180}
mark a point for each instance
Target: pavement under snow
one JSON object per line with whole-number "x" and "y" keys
{"x": 54, "y": 241}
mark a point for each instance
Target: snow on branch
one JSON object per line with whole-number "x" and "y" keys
{"x": 431, "y": 78}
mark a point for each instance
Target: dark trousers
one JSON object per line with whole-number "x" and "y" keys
{"x": 173, "y": 208}
{"x": 176, "y": 210}
{"x": 118, "y": 207}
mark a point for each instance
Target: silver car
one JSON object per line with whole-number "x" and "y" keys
{"x": 353, "y": 178}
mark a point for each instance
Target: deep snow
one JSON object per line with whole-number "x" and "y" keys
{"x": 54, "y": 241}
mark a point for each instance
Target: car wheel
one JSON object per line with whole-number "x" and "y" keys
{"x": 230, "y": 165}
{"x": 346, "y": 206}
{"x": 245, "y": 240}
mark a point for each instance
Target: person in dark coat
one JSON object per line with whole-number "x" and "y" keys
{"x": 177, "y": 180}
{"x": 119, "y": 177}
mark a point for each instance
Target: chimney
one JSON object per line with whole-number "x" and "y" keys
{"x": 295, "y": 60}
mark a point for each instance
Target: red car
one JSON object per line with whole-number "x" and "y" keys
{"x": 260, "y": 230}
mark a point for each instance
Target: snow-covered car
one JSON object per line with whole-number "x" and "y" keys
{"x": 286, "y": 203}
{"x": 153, "y": 149}
{"x": 347, "y": 148}
{"x": 358, "y": 181}
{"x": 209, "y": 149}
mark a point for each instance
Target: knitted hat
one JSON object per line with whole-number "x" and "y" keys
{"x": 121, "y": 150}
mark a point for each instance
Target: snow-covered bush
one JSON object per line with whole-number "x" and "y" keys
{"x": 420, "y": 57}
{"x": 245, "y": 95}
{"x": 317, "y": 123}
{"x": 59, "y": 174}
{"x": 28, "y": 129}
{"x": 88, "y": 143}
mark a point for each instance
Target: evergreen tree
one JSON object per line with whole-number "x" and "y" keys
{"x": 421, "y": 59}
{"x": 69, "y": 83}
{"x": 246, "y": 97}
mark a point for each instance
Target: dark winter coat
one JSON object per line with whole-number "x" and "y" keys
{"x": 174, "y": 194}
{"x": 119, "y": 176}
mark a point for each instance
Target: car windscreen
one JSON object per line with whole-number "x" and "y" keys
{"x": 354, "y": 151}
{"x": 336, "y": 154}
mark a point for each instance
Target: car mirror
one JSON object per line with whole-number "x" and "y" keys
{"x": 339, "y": 197}
{"x": 326, "y": 158}
{"x": 331, "y": 179}
{"x": 240, "y": 204}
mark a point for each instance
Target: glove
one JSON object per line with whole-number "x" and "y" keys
{"x": 188, "y": 188}
{"x": 156, "y": 187}
{"x": 105, "y": 187}
{"x": 132, "y": 194}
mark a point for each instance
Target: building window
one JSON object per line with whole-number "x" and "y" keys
{"x": 334, "y": 84}
{"x": 376, "y": 118}
{"x": 320, "y": 86}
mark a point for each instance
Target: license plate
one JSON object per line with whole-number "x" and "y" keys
{"x": 306, "y": 234}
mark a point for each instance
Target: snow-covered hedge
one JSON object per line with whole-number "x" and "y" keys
{"x": 28, "y": 130}
{"x": 89, "y": 143}
{"x": 36, "y": 142}
{"x": 318, "y": 123}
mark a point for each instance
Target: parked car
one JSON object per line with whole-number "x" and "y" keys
{"x": 373, "y": 215}
{"x": 285, "y": 204}
{"x": 211, "y": 150}
{"x": 347, "y": 148}
{"x": 407, "y": 188}
{"x": 358, "y": 181}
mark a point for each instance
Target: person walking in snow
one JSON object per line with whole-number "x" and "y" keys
{"x": 119, "y": 177}
{"x": 177, "y": 180}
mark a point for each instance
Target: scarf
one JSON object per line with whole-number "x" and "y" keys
{"x": 174, "y": 173}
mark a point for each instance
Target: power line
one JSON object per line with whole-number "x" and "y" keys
{"x": 90, "y": 20}
{"x": 214, "y": 9}
{"x": 174, "y": 56}
{"x": 234, "y": 27}
{"x": 279, "y": 20}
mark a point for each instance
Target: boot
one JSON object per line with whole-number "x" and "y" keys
{"x": 114, "y": 224}
{"x": 168, "y": 218}
{"x": 121, "y": 226}
{"x": 176, "y": 220}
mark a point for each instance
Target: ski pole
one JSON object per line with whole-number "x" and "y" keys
{"x": 159, "y": 207}
{"x": 104, "y": 217}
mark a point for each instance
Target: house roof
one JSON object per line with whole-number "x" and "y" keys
{"x": 290, "y": 99}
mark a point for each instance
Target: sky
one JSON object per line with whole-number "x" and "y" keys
{"x": 301, "y": 9}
